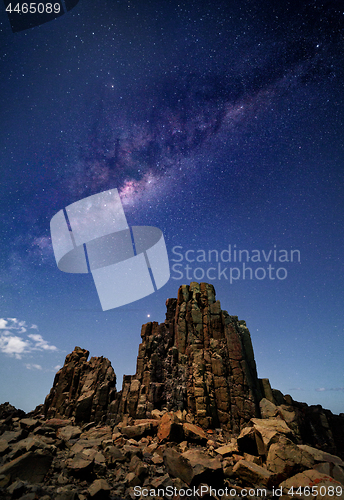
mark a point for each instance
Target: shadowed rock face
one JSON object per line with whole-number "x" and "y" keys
{"x": 199, "y": 360}
{"x": 82, "y": 389}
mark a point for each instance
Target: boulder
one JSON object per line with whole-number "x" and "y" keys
{"x": 321, "y": 456}
{"x": 286, "y": 459}
{"x": 99, "y": 489}
{"x": 313, "y": 478}
{"x": 170, "y": 428}
{"x": 31, "y": 466}
{"x": 177, "y": 465}
{"x": 204, "y": 468}
{"x": 252, "y": 474}
{"x": 194, "y": 433}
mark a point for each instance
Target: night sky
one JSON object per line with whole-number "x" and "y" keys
{"x": 221, "y": 123}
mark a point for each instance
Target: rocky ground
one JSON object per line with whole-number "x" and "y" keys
{"x": 55, "y": 459}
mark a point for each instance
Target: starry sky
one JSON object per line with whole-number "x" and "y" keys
{"x": 221, "y": 123}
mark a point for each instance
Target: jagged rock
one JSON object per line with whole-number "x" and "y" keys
{"x": 31, "y": 466}
{"x": 80, "y": 465}
{"x": 65, "y": 493}
{"x": 268, "y": 431}
{"x": 17, "y": 488}
{"x": 7, "y": 411}
{"x": 170, "y": 428}
{"x": 177, "y": 465}
{"x": 267, "y": 409}
{"x": 332, "y": 470}
{"x": 56, "y": 423}
{"x": 228, "y": 449}
{"x": 286, "y": 459}
{"x": 249, "y": 441}
{"x": 99, "y": 489}
{"x": 28, "y": 423}
{"x": 68, "y": 432}
{"x": 113, "y": 456}
{"x": 204, "y": 469}
{"x": 252, "y": 473}
{"x": 83, "y": 389}
{"x": 321, "y": 456}
{"x": 199, "y": 360}
{"x": 310, "y": 478}
{"x": 4, "y": 447}
{"x": 138, "y": 430}
{"x": 194, "y": 433}
{"x": 266, "y": 390}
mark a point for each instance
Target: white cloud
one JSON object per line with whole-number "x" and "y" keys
{"x": 14, "y": 345}
{"x": 13, "y": 324}
{"x": 322, "y": 389}
{"x": 3, "y": 323}
{"x": 30, "y": 366}
{"x": 40, "y": 343}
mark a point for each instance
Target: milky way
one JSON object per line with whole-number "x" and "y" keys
{"x": 140, "y": 145}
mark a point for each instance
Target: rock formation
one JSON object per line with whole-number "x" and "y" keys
{"x": 194, "y": 415}
{"x": 199, "y": 360}
{"x": 82, "y": 389}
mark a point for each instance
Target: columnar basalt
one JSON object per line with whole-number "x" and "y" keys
{"x": 199, "y": 360}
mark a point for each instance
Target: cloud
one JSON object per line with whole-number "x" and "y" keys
{"x": 13, "y": 324}
{"x": 30, "y": 366}
{"x": 40, "y": 343}
{"x": 14, "y": 345}
{"x": 323, "y": 389}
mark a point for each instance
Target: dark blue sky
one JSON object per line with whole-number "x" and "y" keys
{"x": 219, "y": 123}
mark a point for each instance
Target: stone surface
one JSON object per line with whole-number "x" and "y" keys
{"x": 286, "y": 459}
{"x": 177, "y": 465}
{"x": 205, "y": 469}
{"x": 199, "y": 360}
{"x": 194, "y": 433}
{"x": 311, "y": 478}
{"x": 252, "y": 474}
{"x": 322, "y": 456}
{"x": 82, "y": 389}
{"x": 170, "y": 428}
{"x": 31, "y": 466}
{"x": 99, "y": 489}
{"x": 228, "y": 449}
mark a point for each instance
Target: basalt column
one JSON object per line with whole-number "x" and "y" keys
{"x": 199, "y": 360}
